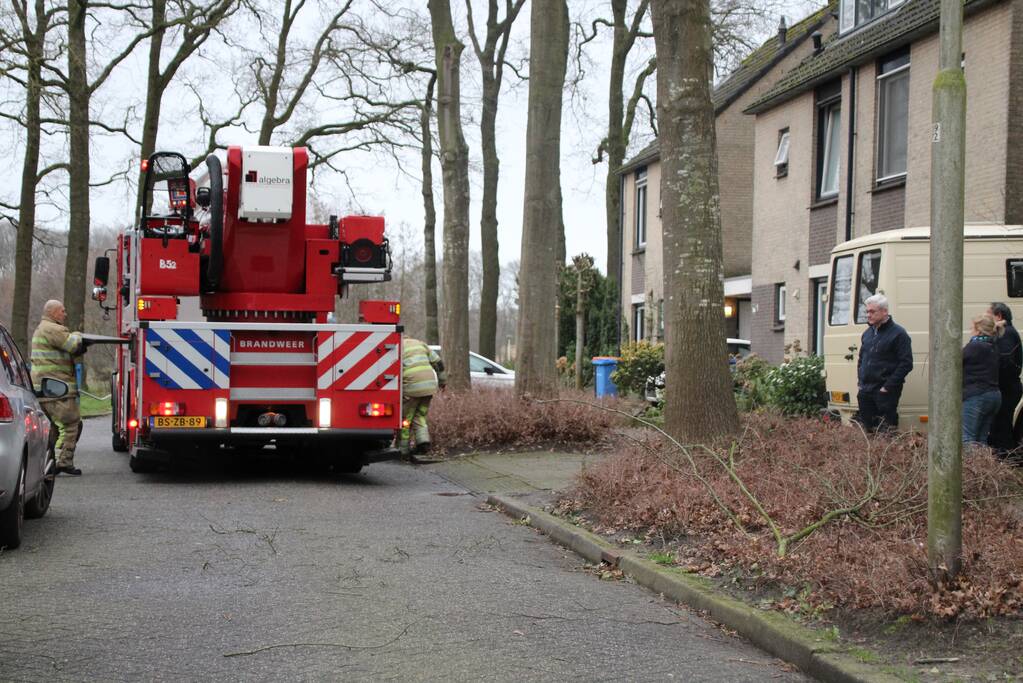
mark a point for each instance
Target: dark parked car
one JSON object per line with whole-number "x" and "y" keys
{"x": 654, "y": 390}
{"x": 27, "y": 464}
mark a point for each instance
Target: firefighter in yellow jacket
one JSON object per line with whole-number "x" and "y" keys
{"x": 54, "y": 349}
{"x": 422, "y": 375}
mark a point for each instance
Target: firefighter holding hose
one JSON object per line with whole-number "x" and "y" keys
{"x": 54, "y": 349}
{"x": 422, "y": 376}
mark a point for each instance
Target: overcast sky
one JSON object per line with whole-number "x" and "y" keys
{"x": 377, "y": 184}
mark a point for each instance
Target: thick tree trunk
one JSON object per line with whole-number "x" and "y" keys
{"x": 488, "y": 219}
{"x": 429, "y": 218}
{"x": 455, "y": 173}
{"x": 272, "y": 90}
{"x": 20, "y": 313}
{"x": 78, "y": 158}
{"x": 535, "y": 371}
{"x": 699, "y": 404}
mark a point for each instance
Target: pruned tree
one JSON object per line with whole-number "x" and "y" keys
{"x": 535, "y": 371}
{"x": 491, "y": 54}
{"x": 699, "y": 404}
{"x": 455, "y": 173}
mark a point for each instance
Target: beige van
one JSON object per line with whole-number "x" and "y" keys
{"x": 896, "y": 263}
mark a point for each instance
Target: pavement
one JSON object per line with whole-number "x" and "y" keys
{"x": 521, "y": 484}
{"x": 252, "y": 570}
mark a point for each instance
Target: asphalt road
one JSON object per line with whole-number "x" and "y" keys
{"x": 266, "y": 572}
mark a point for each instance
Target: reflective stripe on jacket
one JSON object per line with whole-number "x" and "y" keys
{"x": 422, "y": 371}
{"x": 53, "y": 349}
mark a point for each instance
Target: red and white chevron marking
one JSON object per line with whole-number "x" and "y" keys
{"x": 357, "y": 361}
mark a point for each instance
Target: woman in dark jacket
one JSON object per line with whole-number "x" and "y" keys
{"x": 981, "y": 396}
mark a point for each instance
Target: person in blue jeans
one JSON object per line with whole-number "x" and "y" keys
{"x": 981, "y": 395}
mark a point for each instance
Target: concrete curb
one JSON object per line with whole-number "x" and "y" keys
{"x": 770, "y": 631}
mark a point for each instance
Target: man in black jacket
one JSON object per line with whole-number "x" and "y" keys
{"x": 886, "y": 357}
{"x": 1010, "y": 361}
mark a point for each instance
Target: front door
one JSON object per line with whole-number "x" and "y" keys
{"x": 819, "y": 311}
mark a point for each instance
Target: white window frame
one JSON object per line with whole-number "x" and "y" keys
{"x": 781, "y": 157}
{"x": 779, "y": 302}
{"x": 848, "y": 21}
{"x": 638, "y": 322}
{"x": 640, "y": 209}
{"x": 832, "y": 156}
{"x": 883, "y": 81}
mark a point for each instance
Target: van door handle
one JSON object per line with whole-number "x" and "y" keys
{"x": 852, "y": 351}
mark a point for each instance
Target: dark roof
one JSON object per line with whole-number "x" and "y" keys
{"x": 752, "y": 69}
{"x": 901, "y": 26}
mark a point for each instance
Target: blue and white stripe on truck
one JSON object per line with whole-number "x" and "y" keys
{"x": 188, "y": 359}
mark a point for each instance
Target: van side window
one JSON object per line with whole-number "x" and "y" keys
{"x": 1014, "y": 277}
{"x": 870, "y": 266}
{"x": 841, "y": 290}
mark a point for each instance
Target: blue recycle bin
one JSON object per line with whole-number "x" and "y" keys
{"x": 603, "y": 366}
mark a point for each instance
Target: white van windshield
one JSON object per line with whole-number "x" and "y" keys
{"x": 841, "y": 290}
{"x": 870, "y": 267}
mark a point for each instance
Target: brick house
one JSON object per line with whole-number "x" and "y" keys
{"x": 842, "y": 148}
{"x": 642, "y": 272}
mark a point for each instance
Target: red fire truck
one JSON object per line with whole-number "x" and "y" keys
{"x": 224, "y": 296}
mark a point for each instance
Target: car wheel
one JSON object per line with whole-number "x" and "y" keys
{"x": 40, "y": 503}
{"x": 140, "y": 463}
{"x": 13, "y": 518}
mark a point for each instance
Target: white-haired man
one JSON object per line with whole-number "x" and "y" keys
{"x": 54, "y": 349}
{"x": 886, "y": 357}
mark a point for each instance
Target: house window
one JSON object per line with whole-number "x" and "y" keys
{"x": 779, "y": 303}
{"x": 640, "y": 208}
{"x": 892, "y": 115}
{"x": 639, "y": 322}
{"x": 858, "y": 12}
{"x": 1014, "y": 277}
{"x": 829, "y": 124}
{"x": 781, "y": 157}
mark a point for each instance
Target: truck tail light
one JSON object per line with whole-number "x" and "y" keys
{"x": 133, "y": 423}
{"x": 220, "y": 413}
{"x": 166, "y": 408}
{"x": 376, "y": 410}
{"x": 324, "y": 413}
{"x": 6, "y": 412}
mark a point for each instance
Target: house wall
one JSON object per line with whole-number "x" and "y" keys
{"x": 735, "y": 143}
{"x": 787, "y": 227}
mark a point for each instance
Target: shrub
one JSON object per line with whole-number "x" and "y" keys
{"x": 496, "y": 419}
{"x": 797, "y": 387}
{"x": 799, "y": 469}
{"x": 750, "y": 388}
{"x": 638, "y": 361}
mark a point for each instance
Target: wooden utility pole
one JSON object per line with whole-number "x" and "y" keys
{"x": 944, "y": 437}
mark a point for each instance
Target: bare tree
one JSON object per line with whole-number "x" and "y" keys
{"x": 621, "y": 113}
{"x": 28, "y": 43}
{"x": 454, "y": 163}
{"x": 491, "y": 55}
{"x": 699, "y": 404}
{"x": 198, "y": 22}
{"x": 535, "y": 371}
{"x": 429, "y": 217}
